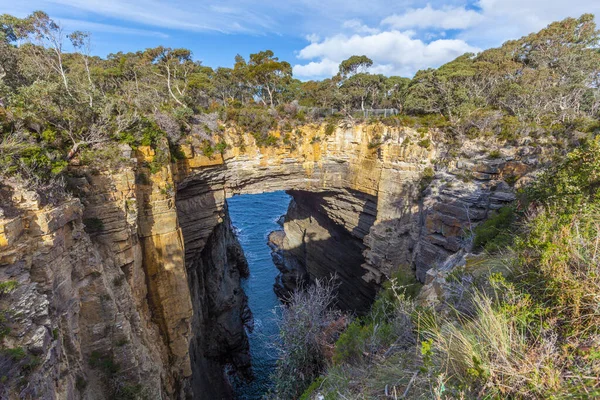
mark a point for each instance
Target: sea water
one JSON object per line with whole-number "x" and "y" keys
{"x": 254, "y": 217}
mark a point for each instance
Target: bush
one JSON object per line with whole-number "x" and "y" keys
{"x": 330, "y": 128}
{"x": 308, "y": 328}
{"x": 570, "y": 182}
{"x": 8, "y": 286}
{"x": 426, "y": 178}
{"x": 494, "y": 154}
{"x": 494, "y": 233}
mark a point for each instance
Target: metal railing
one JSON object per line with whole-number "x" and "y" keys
{"x": 356, "y": 113}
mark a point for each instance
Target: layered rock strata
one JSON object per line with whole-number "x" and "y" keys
{"x": 134, "y": 285}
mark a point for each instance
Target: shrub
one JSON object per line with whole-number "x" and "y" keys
{"x": 426, "y": 178}
{"x": 425, "y": 143}
{"x": 509, "y": 128}
{"x": 572, "y": 181}
{"x": 494, "y": 154}
{"x": 8, "y": 286}
{"x": 207, "y": 149}
{"x": 330, "y": 128}
{"x": 375, "y": 142}
{"x": 494, "y": 233}
{"x": 221, "y": 147}
{"x": 308, "y": 328}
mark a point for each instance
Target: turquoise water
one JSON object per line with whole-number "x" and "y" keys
{"x": 254, "y": 217}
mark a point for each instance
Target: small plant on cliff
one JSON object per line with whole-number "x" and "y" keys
{"x": 425, "y": 143}
{"x": 308, "y": 328}
{"x": 426, "y": 178}
{"x": 8, "y": 286}
{"x": 375, "y": 142}
{"x": 330, "y": 128}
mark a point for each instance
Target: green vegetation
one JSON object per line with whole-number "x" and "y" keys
{"x": 494, "y": 233}
{"x": 426, "y": 178}
{"x": 522, "y": 323}
{"x": 8, "y": 286}
{"x": 63, "y": 107}
{"x": 532, "y": 332}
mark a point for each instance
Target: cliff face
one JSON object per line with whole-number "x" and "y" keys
{"x": 135, "y": 284}
{"x": 79, "y": 310}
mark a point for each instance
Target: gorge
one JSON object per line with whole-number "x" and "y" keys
{"x": 144, "y": 269}
{"x": 433, "y": 236}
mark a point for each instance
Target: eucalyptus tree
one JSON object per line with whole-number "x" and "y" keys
{"x": 268, "y": 76}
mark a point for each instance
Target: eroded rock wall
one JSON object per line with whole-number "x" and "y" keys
{"x": 318, "y": 243}
{"x": 142, "y": 269}
{"x": 215, "y": 265}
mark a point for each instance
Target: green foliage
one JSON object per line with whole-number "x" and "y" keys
{"x": 509, "y": 128}
{"x": 425, "y": 143}
{"x": 8, "y": 286}
{"x": 494, "y": 154}
{"x": 159, "y": 161}
{"x": 266, "y": 140}
{"x": 307, "y": 395}
{"x": 207, "y": 149}
{"x": 426, "y": 178}
{"x": 494, "y": 233}
{"x": 330, "y": 128}
{"x": 572, "y": 181}
{"x": 17, "y": 353}
{"x": 375, "y": 142}
{"x": 221, "y": 147}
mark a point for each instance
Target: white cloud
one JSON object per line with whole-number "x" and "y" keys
{"x": 393, "y": 52}
{"x": 401, "y": 36}
{"x": 322, "y": 68}
{"x": 356, "y": 25}
{"x": 435, "y": 33}
{"x": 313, "y": 37}
{"x": 75, "y": 24}
{"x": 428, "y": 17}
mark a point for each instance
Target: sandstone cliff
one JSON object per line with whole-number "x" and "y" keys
{"x": 134, "y": 285}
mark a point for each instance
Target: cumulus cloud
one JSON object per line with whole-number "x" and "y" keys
{"x": 394, "y": 52}
{"x": 420, "y": 37}
{"x": 401, "y": 36}
{"x": 324, "y": 67}
{"x": 428, "y": 17}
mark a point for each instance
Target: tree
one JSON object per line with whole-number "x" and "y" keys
{"x": 81, "y": 42}
{"x": 268, "y": 75}
{"x": 46, "y": 34}
{"x": 355, "y": 65}
{"x": 394, "y": 92}
{"x": 174, "y": 66}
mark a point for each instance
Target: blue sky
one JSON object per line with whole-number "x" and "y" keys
{"x": 313, "y": 35}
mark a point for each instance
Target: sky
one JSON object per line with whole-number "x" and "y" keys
{"x": 400, "y": 36}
